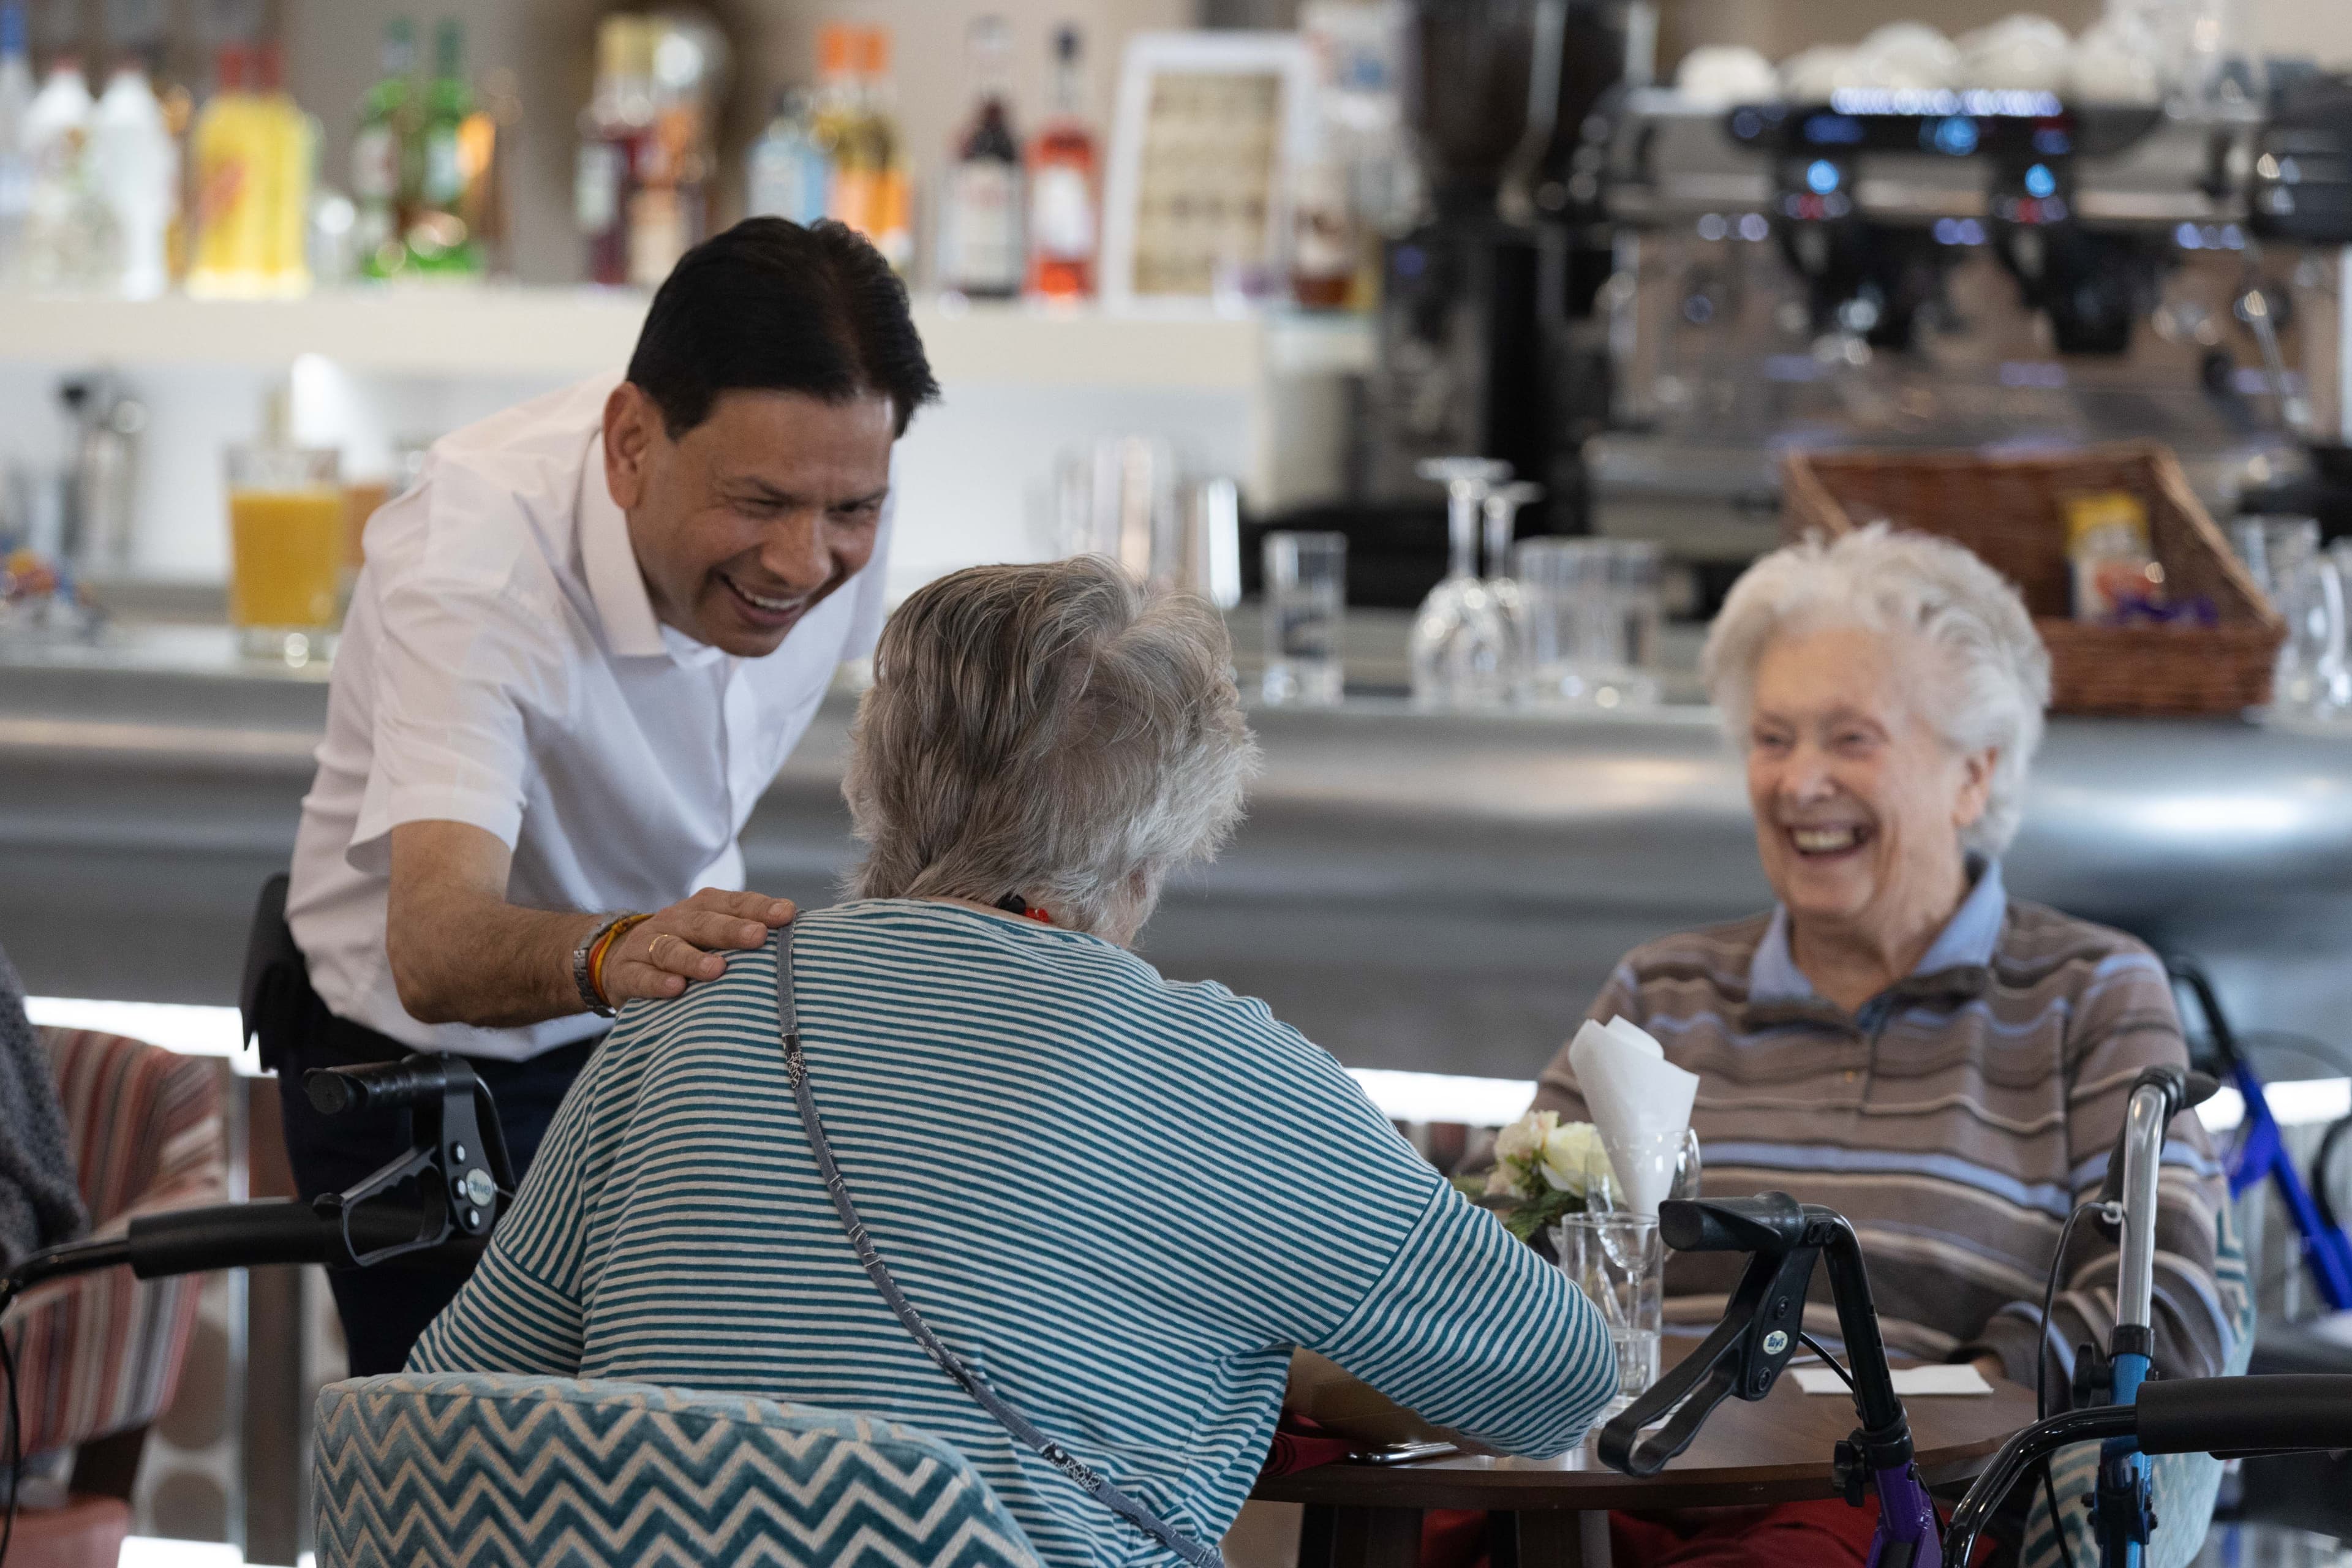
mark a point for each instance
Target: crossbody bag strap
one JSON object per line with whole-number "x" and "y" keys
{"x": 971, "y": 1382}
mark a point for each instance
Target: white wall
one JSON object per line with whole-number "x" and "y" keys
{"x": 2321, "y": 28}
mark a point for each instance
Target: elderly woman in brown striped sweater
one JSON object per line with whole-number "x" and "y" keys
{"x": 1899, "y": 1039}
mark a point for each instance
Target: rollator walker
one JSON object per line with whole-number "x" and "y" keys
{"x": 2131, "y": 1413}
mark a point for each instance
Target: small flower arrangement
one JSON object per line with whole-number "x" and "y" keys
{"x": 1542, "y": 1171}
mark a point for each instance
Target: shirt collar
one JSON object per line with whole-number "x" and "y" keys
{"x": 631, "y": 629}
{"x": 1968, "y": 940}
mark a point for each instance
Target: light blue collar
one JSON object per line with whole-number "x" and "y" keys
{"x": 1967, "y": 939}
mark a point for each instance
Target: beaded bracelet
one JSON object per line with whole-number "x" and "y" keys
{"x": 606, "y": 942}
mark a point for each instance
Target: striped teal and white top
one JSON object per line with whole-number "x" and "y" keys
{"x": 1121, "y": 1198}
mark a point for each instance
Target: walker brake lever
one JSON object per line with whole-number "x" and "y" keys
{"x": 1744, "y": 1355}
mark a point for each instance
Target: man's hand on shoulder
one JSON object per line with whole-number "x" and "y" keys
{"x": 462, "y": 954}
{"x": 687, "y": 942}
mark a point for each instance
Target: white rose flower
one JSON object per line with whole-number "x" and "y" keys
{"x": 1502, "y": 1182}
{"x": 1568, "y": 1152}
{"x": 1523, "y": 1141}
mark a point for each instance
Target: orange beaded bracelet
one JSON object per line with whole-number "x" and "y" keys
{"x": 605, "y": 945}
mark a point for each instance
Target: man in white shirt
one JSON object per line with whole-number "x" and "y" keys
{"x": 581, "y": 648}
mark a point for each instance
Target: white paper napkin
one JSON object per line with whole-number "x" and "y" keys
{"x": 1640, "y": 1105}
{"x": 1910, "y": 1381}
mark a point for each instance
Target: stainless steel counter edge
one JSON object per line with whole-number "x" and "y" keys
{"x": 1436, "y": 891}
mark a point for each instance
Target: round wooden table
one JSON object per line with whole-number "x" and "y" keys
{"x": 1554, "y": 1513}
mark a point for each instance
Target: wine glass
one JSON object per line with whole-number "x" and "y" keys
{"x": 1462, "y": 650}
{"x": 1604, "y": 1194}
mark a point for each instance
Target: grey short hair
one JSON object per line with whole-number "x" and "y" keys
{"x": 1994, "y": 677}
{"x": 1055, "y": 731}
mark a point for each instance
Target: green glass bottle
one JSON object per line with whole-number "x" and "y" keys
{"x": 440, "y": 241}
{"x": 384, "y": 158}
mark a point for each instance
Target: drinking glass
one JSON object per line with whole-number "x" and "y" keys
{"x": 2312, "y": 600}
{"x": 1603, "y": 1193}
{"x": 286, "y": 548}
{"x": 1619, "y": 1262}
{"x": 1502, "y": 515}
{"x": 1305, "y": 617}
{"x": 2339, "y": 556}
{"x": 1462, "y": 651}
{"x": 1592, "y": 612}
{"x": 2250, "y": 539}
{"x": 2307, "y": 587}
{"x": 1119, "y": 497}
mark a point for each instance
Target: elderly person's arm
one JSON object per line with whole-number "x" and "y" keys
{"x": 1474, "y": 1332}
{"x": 2124, "y": 1022}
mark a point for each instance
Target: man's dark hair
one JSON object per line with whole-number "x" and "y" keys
{"x": 770, "y": 306}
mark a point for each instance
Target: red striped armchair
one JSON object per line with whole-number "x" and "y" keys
{"x": 100, "y": 1353}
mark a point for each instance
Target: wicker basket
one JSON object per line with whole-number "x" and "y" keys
{"x": 2009, "y": 510}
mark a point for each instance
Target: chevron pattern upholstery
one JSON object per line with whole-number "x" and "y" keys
{"x": 439, "y": 1471}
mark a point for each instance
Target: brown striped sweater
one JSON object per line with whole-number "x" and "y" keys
{"x": 1955, "y": 1119}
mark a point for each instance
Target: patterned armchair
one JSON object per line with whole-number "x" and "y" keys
{"x": 100, "y": 1353}
{"x": 433, "y": 1471}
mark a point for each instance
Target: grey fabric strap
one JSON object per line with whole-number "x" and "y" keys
{"x": 1011, "y": 1420}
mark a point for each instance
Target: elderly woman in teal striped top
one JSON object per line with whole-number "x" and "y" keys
{"x": 1123, "y": 1200}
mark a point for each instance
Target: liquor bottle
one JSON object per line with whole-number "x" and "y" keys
{"x": 15, "y": 158}
{"x": 383, "y": 158}
{"x": 440, "y": 241}
{"x": 979, "y": 212}
{"x": 787, "y": 173}
{"x": 70, "y": 238}
{"x": 837, "y": 127}
{"x": 616, "y": 121}
{"x": 1062, "y": 226}
{"x": 287, "y": 155}
{"x": 254, "y": 152}
{"x": 1324, "y": 249}
{"x": 890, "y": 224}
{"x": 137, "y": 166}
{"x": 225, "y": 257}
{"x": 668, "y": 206}
{"x": 488, "y": 137}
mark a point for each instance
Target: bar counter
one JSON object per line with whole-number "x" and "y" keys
{"x": 1442, "y": 893}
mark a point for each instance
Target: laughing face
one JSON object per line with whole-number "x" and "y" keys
{"x": 1859, "y": 802}
{"x": 747, "y": 521}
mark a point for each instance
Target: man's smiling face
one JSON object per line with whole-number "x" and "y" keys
{"x": 747, "y": 521}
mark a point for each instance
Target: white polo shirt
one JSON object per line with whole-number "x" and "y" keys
{"x": 502, "y": 665}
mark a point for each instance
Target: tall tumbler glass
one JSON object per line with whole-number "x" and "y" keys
{"x": 2339, "y": 690}
{"x": 285, "y": 549}
{"x": 1590, "y": 625}
{"x": 1305, "y": 617}
{"x": 1618, "y": 1260}
{"x": 2304, "y": 586}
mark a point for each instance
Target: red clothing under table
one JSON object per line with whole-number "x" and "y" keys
{"x": 1566, "y": 1513}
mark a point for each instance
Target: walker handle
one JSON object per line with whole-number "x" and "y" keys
{"x": 2239, "y": 1415}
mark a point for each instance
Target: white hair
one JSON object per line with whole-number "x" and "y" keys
{"x": 1058, "y": 731}
{"x": 1988, "y": 682}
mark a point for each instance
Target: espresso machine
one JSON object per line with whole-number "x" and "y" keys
{"x": 1488, "y": 341}
{"x": 2302, "y": 210}
{"x": 1926, "y": 268}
